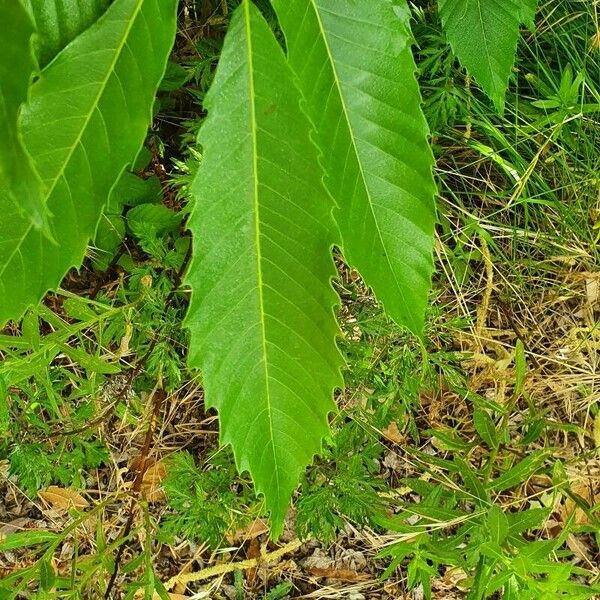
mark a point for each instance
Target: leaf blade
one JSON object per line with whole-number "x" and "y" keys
{"x": 85, "y": 122}
{"x": 355, "y": 67}
{"x": 483, "y": 35}
{"x": 528, "y": 11}
{"x": 520, "y": 472}
{"x": 261, "y": 316}
{"x": 21, "y": 184}
{"x": 59, "y": 22}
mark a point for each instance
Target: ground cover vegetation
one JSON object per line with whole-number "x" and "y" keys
{"x": 366, "y": 233}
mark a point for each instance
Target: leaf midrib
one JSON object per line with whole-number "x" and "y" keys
{"x": 254, "y": 131}
{"x": 88, "y": 118}
{"x": 357, "y": 154}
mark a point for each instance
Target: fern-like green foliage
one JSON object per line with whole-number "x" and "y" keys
{"x": 20, "y": 185}
{"x": 261, "y": 316}
{"x": 483, "y": 34}
{"x": 86, "y": 120}
{"x": 60, "y": 21}
{"x": 354, "y": 65}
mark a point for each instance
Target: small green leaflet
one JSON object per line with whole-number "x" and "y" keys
{"x": 355, "y": 68}
{"x": 485, "y": 427}
{"x": 47, "y": 575}
{"x": 512, "y": 591}
{"x": 521, "y": 472}
{"x": 20, "y": 185}
{"x": 520, "y": 368}
{"x": 261, "y": 317}
{"x": 24, "y": 539}
{"x": 472, "y": 482}
{"x": 59, "y": 22}
{"x": 525, "y": 520}
{"x": 497, "y": 524}
{"x": 85, "y": 121}
{"x": 483, "y": 34}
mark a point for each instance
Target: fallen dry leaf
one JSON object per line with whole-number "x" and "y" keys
{"x": 62, "y": 498}
{"x": 253, "y": 551}
{"x": 592, "y": 291}
{"x": 13, "y": 526}
{"x": 590, "y": 495}
{"x": 256, "y": 528}
{"x": 579, "y": 549}
{"x": 151, "y": 484}
{"x": 393, "y": 434}
{"x": 172, "y": 596}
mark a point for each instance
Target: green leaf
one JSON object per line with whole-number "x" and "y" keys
{"x": 542, "y": 549}
{"x": 520, "y": 368}
{"x": 5, "y": 416}
{"x": 23, "y": 539}
{"x": 354, "y": 64}
{"x": 280, "y": 591}
{"x": 472, "y": 482}
{"x": 21, "y": 186}
{"x": 61, "y": 21}
{"x": 86, "y": 120}
{"x": 150, "y": 223}
{"x": 47, "y": 575}
{"x": 109, "y": 237}
{"x": 497, "y": 524}
{"x": 261, "y": 317}
{"x": 491, "y": 550}
{"x": 512, "y": 590}
{"x": 522, "y": 521}
{"x": 483, "y": 34}
{"x": 528, "y": 10}
{"x": 90, "y": 362}
{"x": 448, "y": 439}
{"x": 521, "y": 472}
{"x": 132, "y": 190}
{"x": 435, "y": 513}
{"x": 152, "y": 220}
{"x": 485, "y": 427}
